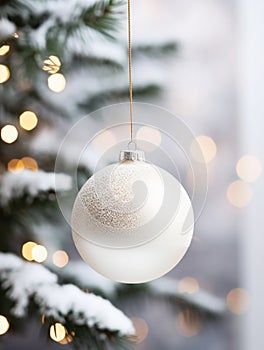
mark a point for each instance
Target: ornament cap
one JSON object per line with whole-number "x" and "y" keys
{"x": 133, "y": 155}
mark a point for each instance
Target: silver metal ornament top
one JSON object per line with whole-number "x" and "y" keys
{"x": 133, "y": 155}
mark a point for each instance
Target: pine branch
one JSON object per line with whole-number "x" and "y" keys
{"x": 87, "y": 316}
{"x": 91, "y": 62}
{"x": 102, "y": 16}
{"x": 156, "y": 50}
{"x": 51, "y": 26}
{"x": 120, "y": 95}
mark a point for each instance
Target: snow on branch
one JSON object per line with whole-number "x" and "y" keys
{"x": 7, "y": 28}
{"x": 166, "y": 287}
{"x": 66, "y": 11}
{"x": 25, "y": 282}
{"x": 86, "y": 43}
{"x": 15, "y": 185}
{"x": 202, "y": 300}
{"x": 68, "y": 17}
{"x": 85, "y": 277}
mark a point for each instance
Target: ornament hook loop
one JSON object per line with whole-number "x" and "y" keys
{"x": 132, "y": 145}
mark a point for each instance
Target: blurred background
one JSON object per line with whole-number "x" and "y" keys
{"x": 202, "y": 61}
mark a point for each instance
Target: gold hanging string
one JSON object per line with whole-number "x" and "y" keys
{"x": 130, "y": 69}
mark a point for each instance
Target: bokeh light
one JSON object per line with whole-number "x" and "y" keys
{"x": 188, "y": 324}
{"x": 57, "y": 332}
{"x": 239, "y": 193}
{"x": 4, "y": 73}
{"x": 104, "y": 141}
{"x": 60, "y": 258}
{"x": 141, "y": 329}
{"x": 249, "y": 168}
{"x": 39, "y": 253}
{"x": 203, "y": 149}
{"x": 30, "y": 163}
{"x": 28, "y": 120}
{"x": 56, "y": 82}
{"x": 150, "y": 136}
{"x": 4, "y": 325}
{"x": 16, "y": 35}
{"x": 52, "y": 64}
{"x": 188, "y": 285}
{"x": 237, "y": 301}
{"x": 27, "y": 250}
{"x": 15, "y": 165}
{"x": 43, "y": 317}
{"x": 4, "y": 49}
{"x": 68, "y": 339}
{"x": 9, "y": 133}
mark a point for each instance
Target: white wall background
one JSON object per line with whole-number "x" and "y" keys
{"x": 251, "y": 97}
{"x": 216, "y": 84}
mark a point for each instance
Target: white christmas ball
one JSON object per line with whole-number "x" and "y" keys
{"x": 132, "y": 221}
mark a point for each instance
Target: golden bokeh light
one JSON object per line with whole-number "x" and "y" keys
{"x": 239, "y": 193}
{"x": 4, "y": 73}
{"x": 150, "y": 136}
{"x": 56, "y": 82}
{"x": 15, "y": 165}
{"x": 188, "y": 324}
{"x": 141, "y": 329}
{"x": 58, "y": 332}
{"x": 4, "y": 325}
{"x": 68, "y": 339}
{"x": 9, "y": 133}
{"x": 203, "y": 149}
{"x": 249, "y": 168}
{"x": 52, "y": 64}
{"x": 16, "y": 35}
{"x": 30, "y": 163}
{"x": 60, "y": 258}
{"x": 237, "y": 301}
{"x": 4, "y": 49}
{"x": 28, "y": 120}
{"x": 104, "y": 141}
{"x": 27, "y": 250}
{"x": 43, "y": 317}
{"x": 188, "y": 285}
{"x": 39, "y": 253}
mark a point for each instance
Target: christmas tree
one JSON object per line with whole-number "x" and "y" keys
{"x": 59, "y": 61}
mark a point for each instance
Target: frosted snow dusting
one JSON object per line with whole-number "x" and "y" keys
{"x": 87, "y": 308}
{"x": 7, "y": 28}
{"x": 60, "y": 12}
{"x": 38, "y": 36}
{"x": 10, "y": 262}
{"x": 88, "y": 278}
{"x": 203, "y": 300}
{"x": 66, "y": 11}
{"x": 26, "y": 281}
{"x": 15, "y": 185}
